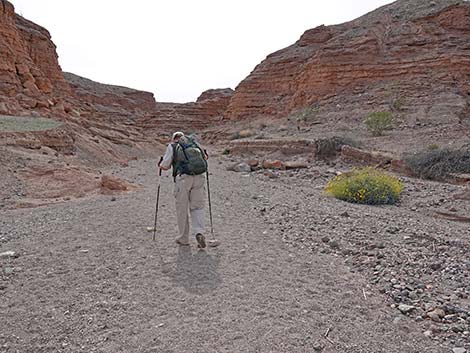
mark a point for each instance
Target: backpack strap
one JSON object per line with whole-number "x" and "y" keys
{"x": 183, "y": 147}
{"x": 175, "y": 171}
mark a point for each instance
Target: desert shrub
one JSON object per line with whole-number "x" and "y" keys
{"x": 378, "y": 122}
{"x": 226, "y": 151}
{"x": 308, "y": 114}
{"x": 365, "y": 186}
{"x": 329, "y": 147}
{"x": 439, "y": 163}
{"x": 397, "y": 104}
{"x": 235, "y": 136}
{"x": 433, "y": 146}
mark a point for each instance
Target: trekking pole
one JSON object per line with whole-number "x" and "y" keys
{"x": 209, "y": 196}
{"x": 213, "y": 242}
{"x": 158, "y": 198}
{"x": 210, "y": 205}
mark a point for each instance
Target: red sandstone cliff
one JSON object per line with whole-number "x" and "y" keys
{"x": 190, "y": 117}
{"x": 420, "y": 49}
{"x": 29, "y": 71}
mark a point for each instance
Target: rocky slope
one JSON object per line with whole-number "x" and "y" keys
{"x": 410, "y": 55}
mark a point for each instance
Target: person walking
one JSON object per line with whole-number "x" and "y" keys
{"x": 189, "y": 163}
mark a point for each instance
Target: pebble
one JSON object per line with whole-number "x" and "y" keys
{"x": 428, "y": 333}
{"x": 434, "y": 316}
{"x": 8, "y": 270}
{"x": 459, "y": 350}
{"x": 8, "y": 254}
{"x": 405, "y": 308}
{"x": 397, "y": 320}
{"x": 318, "y": 347}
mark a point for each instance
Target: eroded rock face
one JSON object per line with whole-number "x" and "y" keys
{"x": 46, "y": 72}
{"x": 29, "y": 70}
{"x": 103, "y": 95}
{"x": 410, "y": 43}
{"x": 190, "y": 117}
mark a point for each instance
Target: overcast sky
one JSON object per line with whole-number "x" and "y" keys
{"x": 177, "y": 49}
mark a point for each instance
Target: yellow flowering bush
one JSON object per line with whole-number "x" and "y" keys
{"x": 365, "y": 186}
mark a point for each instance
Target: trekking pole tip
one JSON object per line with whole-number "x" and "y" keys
{"x": 213, "y": 243}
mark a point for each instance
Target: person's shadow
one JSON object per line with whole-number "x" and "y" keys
{"x": 196, "y": 270}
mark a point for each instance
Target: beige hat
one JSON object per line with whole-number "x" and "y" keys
{"x": 177, "y": 134}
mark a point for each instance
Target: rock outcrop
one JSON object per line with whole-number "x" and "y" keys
{"x": 102, "y": 96}
{"x": 29, "y": 71}
{"x": 190, "y": 117}
{"x": 411, "y": 48}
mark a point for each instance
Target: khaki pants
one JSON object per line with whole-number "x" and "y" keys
{"x": 190, "y": 196}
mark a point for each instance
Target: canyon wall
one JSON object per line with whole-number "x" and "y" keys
{"x": 417, "y": 46}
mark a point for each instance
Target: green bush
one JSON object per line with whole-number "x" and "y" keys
{"x": 365, "y": 186}
{"x": 226, "y": 151}
{"x": 439, "y": 163}
{"x": 378, "y": 122}
{"x": 307, "y": 114}
{"x": 397, "y": 104}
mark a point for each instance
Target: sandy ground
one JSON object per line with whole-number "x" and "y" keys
{"x": 87, "y": 277}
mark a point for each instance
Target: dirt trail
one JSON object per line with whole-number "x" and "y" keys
{"x": 88, "y": 278}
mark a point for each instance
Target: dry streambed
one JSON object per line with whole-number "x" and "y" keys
{"x": 296, "y": 271}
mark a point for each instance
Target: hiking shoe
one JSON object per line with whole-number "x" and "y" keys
{"x": 201, "y": 241}
{"x": 180, "y": 241}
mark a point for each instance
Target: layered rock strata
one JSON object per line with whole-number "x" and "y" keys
{"x": 400, "y": 47}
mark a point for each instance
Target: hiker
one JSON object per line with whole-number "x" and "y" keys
{"x": 188, "y": 161}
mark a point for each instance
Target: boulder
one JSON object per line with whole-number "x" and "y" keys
{"x": 241, "y": 168}
{"x": 109, "y": 183}
{"x": 272, "y": 164}
{"x": 295, "y": 165}
{"x": 368, "y": 157}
